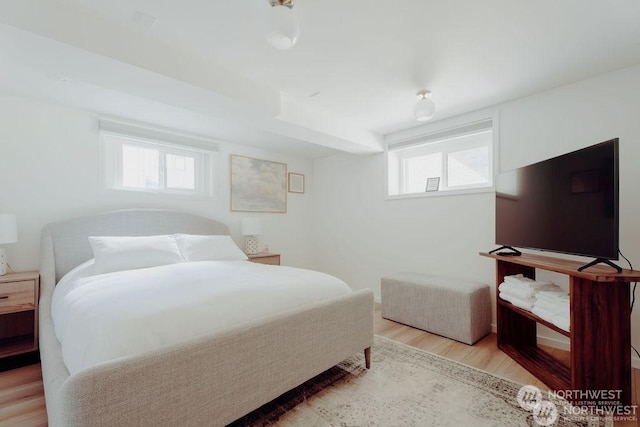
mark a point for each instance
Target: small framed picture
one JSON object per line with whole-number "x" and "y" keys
{"x": 296, "y": 182}
{"x": 433, "y": 184}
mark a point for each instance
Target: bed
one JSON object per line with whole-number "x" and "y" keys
{"x": 208, "y": 380}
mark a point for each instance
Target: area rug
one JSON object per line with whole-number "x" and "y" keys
{"x": 404, "y": 387}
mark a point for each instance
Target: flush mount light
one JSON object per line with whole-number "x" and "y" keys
{"x": 425, "y": 107}
{"x": 283, "y": 25}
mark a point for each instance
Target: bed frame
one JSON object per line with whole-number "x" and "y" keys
{"x": 212, "y": 380}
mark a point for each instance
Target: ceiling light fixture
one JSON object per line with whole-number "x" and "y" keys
{"x": 283, "y": 26}
{"x": 425, "y": 107}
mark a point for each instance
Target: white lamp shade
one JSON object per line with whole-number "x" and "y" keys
{"x": 8, "y": 229}
{"x": 251, "y": 227}
{"x": 424, "y": 109}
{"x": 283, "y": 28}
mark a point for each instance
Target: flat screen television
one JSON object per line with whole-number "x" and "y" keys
{"x": 566, "y": 204}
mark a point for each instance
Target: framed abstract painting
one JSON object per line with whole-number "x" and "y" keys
{"x": 258, "y": 185}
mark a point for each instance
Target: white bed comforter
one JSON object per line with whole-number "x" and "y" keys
{"x": 103, "y": 317}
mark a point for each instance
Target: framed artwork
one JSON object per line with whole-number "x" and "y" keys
{"x": 296, "y": 182}
{"x": 258, "y": 185}
{"x": 433, "y": 184}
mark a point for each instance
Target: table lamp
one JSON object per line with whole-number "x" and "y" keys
{"x": 8, "y": 234}
{"x": 251, "y": 229}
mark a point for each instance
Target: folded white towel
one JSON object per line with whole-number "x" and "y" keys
{"x": 526, "y": 304}
{"x": 527, "y": 290}
{"x": 562, "y": 322}
{"x": 516, "y": 290}
{"x": 543, "y": 314}
{"x": 557, "y": 307}
{"x": 553, "y": 295}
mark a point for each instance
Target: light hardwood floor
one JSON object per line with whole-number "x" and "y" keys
{"x": 22, "y": 400}
{"x": 22, "y": 397}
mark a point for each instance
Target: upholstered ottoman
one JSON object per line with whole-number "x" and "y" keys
{"x": 454, "y": 308}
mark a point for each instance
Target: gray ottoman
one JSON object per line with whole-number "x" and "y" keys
{"x": 454, "y": 308}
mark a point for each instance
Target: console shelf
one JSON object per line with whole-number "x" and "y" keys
{"x": 600, "y": 326}
{"x": 533, "y": 317}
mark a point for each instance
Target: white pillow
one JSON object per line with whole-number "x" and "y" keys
{"x": 208, "y": 248}
{"x": 116, "y": 253}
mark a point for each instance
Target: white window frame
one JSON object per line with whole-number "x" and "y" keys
{"x": 445, "y": 147}
{"x": 441, "y": 138}
{"x": 114, "y": 135}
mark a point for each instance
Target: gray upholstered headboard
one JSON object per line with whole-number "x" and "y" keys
{"x": 68, "y": 240}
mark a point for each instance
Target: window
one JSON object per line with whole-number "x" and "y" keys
{"x": 147, "y": 163}
{"x": 462, "y": 158}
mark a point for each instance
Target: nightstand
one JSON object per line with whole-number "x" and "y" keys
{"x": 265, "y": 258}
{"x": 19, "y": 294}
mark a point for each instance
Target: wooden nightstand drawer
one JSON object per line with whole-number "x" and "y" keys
{"x": 17, "y": 296}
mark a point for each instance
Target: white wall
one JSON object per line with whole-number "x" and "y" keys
{"x": 359, "y": 236}
{"x": 49, "y": 172}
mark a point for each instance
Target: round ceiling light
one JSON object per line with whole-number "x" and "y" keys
{"x": 424, "y": 108}
{"x": 283, "y": 25}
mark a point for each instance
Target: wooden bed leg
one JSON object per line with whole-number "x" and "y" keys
{"x": 367, "y": 357}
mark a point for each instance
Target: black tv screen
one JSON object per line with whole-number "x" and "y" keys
{"x": 566, "y": 204}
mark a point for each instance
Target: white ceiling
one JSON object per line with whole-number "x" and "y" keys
{"x": 206, "y": 68}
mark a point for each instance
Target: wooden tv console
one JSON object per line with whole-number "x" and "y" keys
{"x": 600, "y": 326}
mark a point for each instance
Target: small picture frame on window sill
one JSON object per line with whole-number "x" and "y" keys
{"x": 433, "y": 184}
{"x": 296, "y": 183}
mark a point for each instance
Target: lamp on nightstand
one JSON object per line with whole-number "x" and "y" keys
{"x": 8, "y": 234}
{"x": 251, "y": 229}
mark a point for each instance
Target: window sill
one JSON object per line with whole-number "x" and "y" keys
{"x": 441, "y": 193}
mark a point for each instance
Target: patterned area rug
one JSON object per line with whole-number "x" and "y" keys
{"x": 404, "y": 387}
